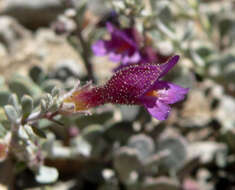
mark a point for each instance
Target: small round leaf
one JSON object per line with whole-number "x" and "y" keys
{"x": 47, "y": 175}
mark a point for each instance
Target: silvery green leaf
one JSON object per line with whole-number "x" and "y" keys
{"x": 55, "y": 106}
{"x": 37, "y": 75}
{"x": 24, "y": 85}
{"x": 143, "y": 144}
{"x": 11, "y": 114}
{"x": 4, "y": 96}
{"x": 55, "y": 92}
{"x": 81, "y": 147}
{"x": 27, "y": 105}
{"x": 188, "y": 32}
{"x": 177, "y": 147}
{"x": 197, "y": 59}
{"x": 43, "y": 106}
{"x": 22, "y": 133}
{"x": 224, "y": 113}
{"x": 205, "y": 50}
{"x": 5, "y": 122}
{"x": 49, "y": 100}
{"x": 13, "y": 100}
{"x": 127, "y": 165}
{"x": 164, "y": 12}
{"x": 166, "y": 30}
{"x": 49, "y": 85}
{"x": 29, "y": 130}
{"x": 47, "y": 175}
{"x": 60, "y": 152}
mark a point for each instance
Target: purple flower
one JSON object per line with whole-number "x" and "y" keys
{"x": 127, "y": 46}
{"x": 157, "y": 100}
{"x": 122, "y": 47}
{"x": 133, "y": 85}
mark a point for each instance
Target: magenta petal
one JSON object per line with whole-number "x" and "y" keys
{"x": 170, "y": 93}
{"x": 99, "y": 48}
{"x": 168, "y": 65}
{"x": 110, "y": 27}
{"x": 121, "y": 47}
{"x": 119, "y": 36}
{"x": 115, "y": 57}
{"x": 160, "y": 111}
{"x": 135, "y": 58}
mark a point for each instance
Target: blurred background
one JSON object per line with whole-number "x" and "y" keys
{"x": 47, "y": 43}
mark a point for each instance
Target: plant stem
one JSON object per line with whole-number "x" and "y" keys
{"x": 34, "y": 117}
{"x": 7, "y": 173}
{"x": 85, "y": 52}
{"x": 7, "y": 168}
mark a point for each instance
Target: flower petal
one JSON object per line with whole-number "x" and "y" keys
{"x": 167, "y": 66}
{"x": 160, "y": 111}
{"x": 170, "y": 93}
{"x": 99, "y": 48}
{"x": 110, "y": 27}
{"x": 135, "y": 58}
{"x": 115, "y": 57}
{"x": 120, "y": 36}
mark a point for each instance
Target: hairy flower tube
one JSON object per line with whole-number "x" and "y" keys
{"x": 132, "y": 85}
{"x": 127, "y": 46}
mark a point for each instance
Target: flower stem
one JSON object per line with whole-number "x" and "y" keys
{"x": 34, "y": 117}
{"x": 85, "y": 52}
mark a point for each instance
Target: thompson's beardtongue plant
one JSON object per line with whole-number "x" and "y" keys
{"x": 122, "y": 47}
{"x": 132, "y": 85}
{"x": 133, "y": 127}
